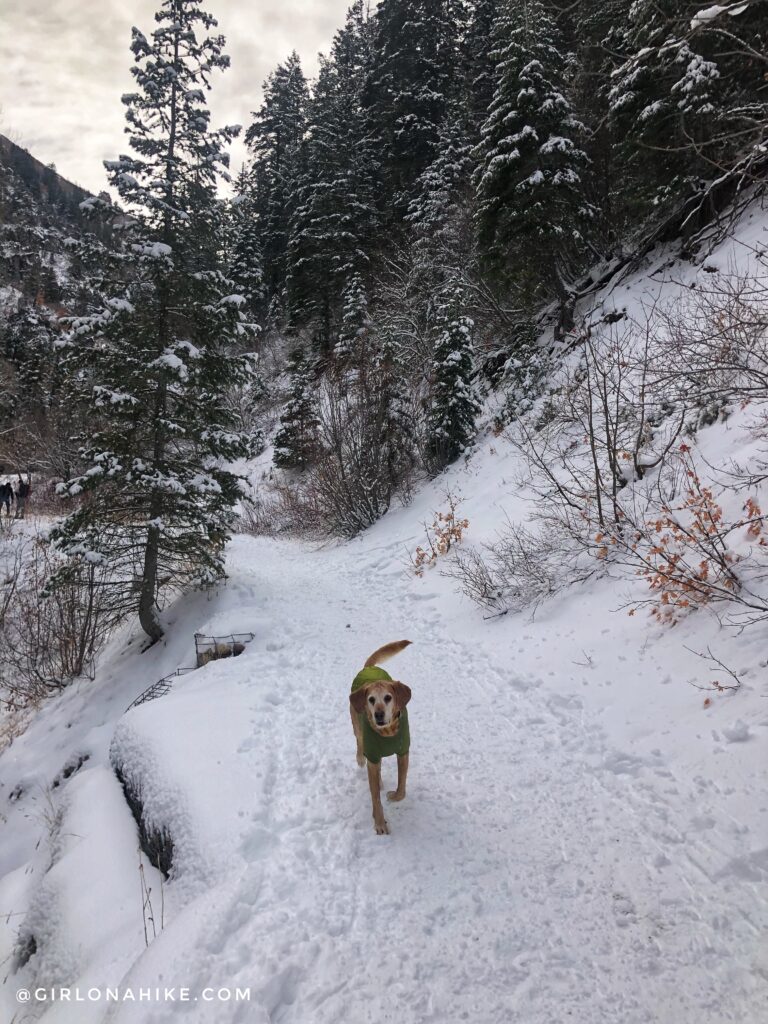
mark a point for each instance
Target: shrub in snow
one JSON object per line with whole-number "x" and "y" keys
{"x": 715, "y": 348}
{"x": 518, "y": 570}
{"x": 687, "y": 550}
{"x": 50, "y": 637}
{"x": 446, "y": 531}
{"x": 360, "y": 450}
{"x": 364, "y": 452}
{"x": 616, "y": 490}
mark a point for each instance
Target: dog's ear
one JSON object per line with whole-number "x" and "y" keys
{"x": 357, "y": 699}
{"x": 402, "y": 694}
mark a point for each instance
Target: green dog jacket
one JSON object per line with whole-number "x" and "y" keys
{"x": 376, "y": 746}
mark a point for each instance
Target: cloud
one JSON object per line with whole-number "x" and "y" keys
{"x": 65, "y": 63}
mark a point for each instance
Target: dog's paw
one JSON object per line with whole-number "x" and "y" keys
{"x": 381, "y": 828}
{"x": 394, "y": 796}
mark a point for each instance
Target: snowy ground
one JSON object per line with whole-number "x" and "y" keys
{"x": 578, "y": 843}
{"x": 582, "y": 841}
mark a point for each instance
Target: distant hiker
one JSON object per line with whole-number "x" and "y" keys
{"x": 23, "y": 491}
{"x": 6, "y": 496}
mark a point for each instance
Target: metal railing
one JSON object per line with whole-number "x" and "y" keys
{"x": 207, "y": 648}
{"x": 160, "y": 688}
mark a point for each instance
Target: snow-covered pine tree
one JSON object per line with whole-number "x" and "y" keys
{"x": 397, "y": 429}
{"x": 276, "y": 139}
{"x": 369, "y": 384}
{"x": 454, "y": 403}
{"x": 529, "y": 177}
{"x": 333, "y": 226}
{"x": 355, "y": 320}
{"x": 29, "y": 350}
{"x": 412, "y": 83}
{"x": 154, "y": 364}
{"x": 480, "y": 79}
{"x": 689, "y": 101}
{"x": 596, "y": 41}
{"x": 296, "y": 440}
{"x": 440, "y": 207}
{"x": 245, "y": 260}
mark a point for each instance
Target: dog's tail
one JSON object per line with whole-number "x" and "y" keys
{"x": 386, "y": 652}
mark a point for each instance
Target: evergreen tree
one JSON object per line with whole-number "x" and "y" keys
{"x": 688, "y": 101}
{"x": 443, "y": 191}
{"x": 334, "y": 221}
{"x": 246, "y": 263}
{"x": 28, "y": 346}
{"x": 155, "y": 363}
{"x": 411, "y": 87}
{"x": 454, "y": 402}
{"x": 355, "y": 319}
{"x": 529, "y": 178}
{"x": 594, "y": 36}
{"x": 480, "y": 79}
{"x": 276, "y": 139}
{"x": 397, "y": 429}
{"x": 296, "y": 440}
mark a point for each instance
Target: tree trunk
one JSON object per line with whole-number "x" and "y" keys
{"x": 147, "y": 609}
{"x": 566, "y": 304}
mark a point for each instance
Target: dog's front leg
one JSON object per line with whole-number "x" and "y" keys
{"x": 358, "y": 736}
{"x": 402, "y": 775}
{"x": 374, "y": 781}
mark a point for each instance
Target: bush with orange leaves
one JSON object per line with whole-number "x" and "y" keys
{"x": 686, "y": 551}
{"x": 446, "y": 530}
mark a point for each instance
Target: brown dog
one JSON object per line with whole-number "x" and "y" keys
{"x": 380, "y": 721}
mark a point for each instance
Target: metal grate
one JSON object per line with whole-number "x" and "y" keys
{"x": 213, "y": 648}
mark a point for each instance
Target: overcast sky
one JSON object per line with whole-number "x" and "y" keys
{"x": 65, "y": 63}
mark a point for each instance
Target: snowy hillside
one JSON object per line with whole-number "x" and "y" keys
{"x": 585, "y": 837}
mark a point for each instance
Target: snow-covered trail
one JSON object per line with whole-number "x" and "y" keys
{"x": 532, "y": 874}
{"x": 585, "y": 837}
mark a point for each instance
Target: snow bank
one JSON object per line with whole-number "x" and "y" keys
{"x": 86, "y": 911}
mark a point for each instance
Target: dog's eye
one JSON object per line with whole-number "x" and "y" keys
{"x": 388, "y": 698}
{"x": 371, "y": 700}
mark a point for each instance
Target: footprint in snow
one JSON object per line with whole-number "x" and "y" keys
{"x": 737, "y": 733}
{"x": 257, "y": 843}
{"x": 624, "y": 910}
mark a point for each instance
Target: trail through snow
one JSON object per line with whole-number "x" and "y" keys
{"x": 584, "y": 841}
{"x": 532, "y": 874}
